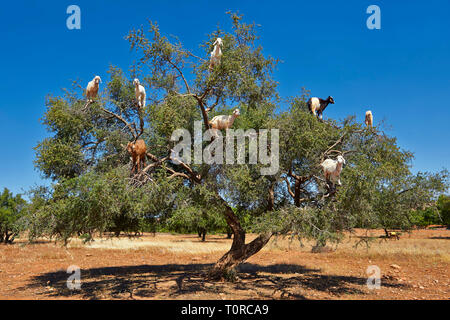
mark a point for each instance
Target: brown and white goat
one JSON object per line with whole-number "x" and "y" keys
{"x": 332, "y": 169}
{"x": 317, "y": 106}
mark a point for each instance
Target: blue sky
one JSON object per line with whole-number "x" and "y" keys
{"x": 400, "y": 72}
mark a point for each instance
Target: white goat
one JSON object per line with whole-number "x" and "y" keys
{"x": 92, "y": 88}
{"x": 139, "y": 91}
{"x": 216, "y": 54}
{"x": 223, "y": 121}
{"x": 369, "y": 119}
{"x": 332, "y": 169}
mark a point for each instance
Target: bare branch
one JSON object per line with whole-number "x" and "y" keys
{"x": 193, "y": 175}
{"x": 214, "y": 104}
{"x": 177, "y": 174}
{"x": 134, "y": 133}
{"x": 155, "y": 164}
{"x": 288, "y": 184}
{"x": 192, "y": 55}
{"x": 341, "y": 138}
{"x": 180, "y": 73}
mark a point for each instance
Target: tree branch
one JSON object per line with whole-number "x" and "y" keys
{"x": 181, "y": 74}
{"x": 134, "y": 133}
{"x": 340, "y": 140}
{"x": 288, "y": 184}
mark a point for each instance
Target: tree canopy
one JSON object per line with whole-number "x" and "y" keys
{"x": 11, "y": 213}
{"x": 443, "y": 205}
{"x": 94, "y": 191}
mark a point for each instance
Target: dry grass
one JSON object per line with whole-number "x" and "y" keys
{"x": 424, "y": 248}
{"x": 163, "y": 242}
{"x": 408, "y": 248}
{"x": 152, "y": 266}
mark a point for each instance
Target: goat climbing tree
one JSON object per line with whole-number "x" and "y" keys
{"x": 95, "y": 192}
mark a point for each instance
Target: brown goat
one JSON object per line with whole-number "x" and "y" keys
{"x": 138, "y": 151}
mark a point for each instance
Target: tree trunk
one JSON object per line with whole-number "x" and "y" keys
{"x": 239, "y": 252}
{"x": 224, "y": 268}
{"x": 297, "y": 193}
{"x": 7, "y": 237}
{"x": 271, "y": 197}
{"x": 202, "y": 233}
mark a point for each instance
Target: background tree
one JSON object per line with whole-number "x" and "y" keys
{"x": 193, "y": 214}
{"x": 426, "y": 217}
{"x": 85, "y": 154}
{"x": 443, "y": 205}
{"x": 11, "y": 213}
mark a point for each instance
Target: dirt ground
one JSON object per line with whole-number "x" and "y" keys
{"x": 165, "y": 266}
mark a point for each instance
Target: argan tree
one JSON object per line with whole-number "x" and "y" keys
{"x": 11, "y": 213}
{"x": 85, "y": 153}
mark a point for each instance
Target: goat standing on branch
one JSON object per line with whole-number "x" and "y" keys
{"x": 138, "y": 151}
{"x": 317, "y": 106}
{"x": 369, "y": 119}
{"x": 332, "y": 169}
{"x": 92, "y": 90}
{"x": 223, "y": 122}
{"x": 139, "y": 91}
{"x": 216, "y": 54}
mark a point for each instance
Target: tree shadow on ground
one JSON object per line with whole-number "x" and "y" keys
{"x": 171, "y": 281}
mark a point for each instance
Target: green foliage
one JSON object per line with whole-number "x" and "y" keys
{"x": 424, "y": 218}
{"x": 301, "y": 223}
{"x": 11, "y": 212}
{"x": 443, "y": 205}
{"x": 194, "y": 213}
{"x": 96, "y": 203}
{"x": 87, "y": 140}
{"x": 193, "y": 219}
{"x": 59, "y": 159}
{"x": 380, "y": 192}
